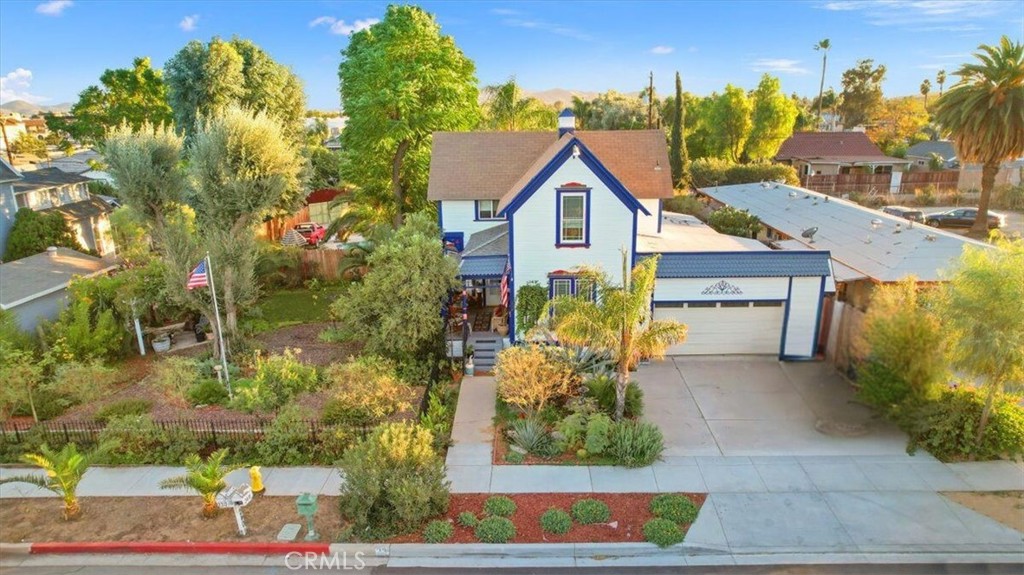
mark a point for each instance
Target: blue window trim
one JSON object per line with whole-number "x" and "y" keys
{"x": 559, "y": 194}
{"x": 553, "y": 279}
{"x": 440, "y": 216}
{"x": 494, "y": 218}
{"x": 511, "y": 280}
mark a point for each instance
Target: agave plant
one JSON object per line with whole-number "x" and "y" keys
{"x": 63, "y": 471}
{"x": 203, "y": 477}
{"x": 532, "y": 436}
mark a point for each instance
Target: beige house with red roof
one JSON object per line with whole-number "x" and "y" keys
{"x": 834, "y": 153}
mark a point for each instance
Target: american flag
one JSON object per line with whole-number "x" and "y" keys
{"x": 504, "y": 285}
{"x": 198, "y": 278}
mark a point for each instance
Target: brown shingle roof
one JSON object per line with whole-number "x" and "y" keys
{"x": 805, "y": 145}
{"x": 489, "y": 165}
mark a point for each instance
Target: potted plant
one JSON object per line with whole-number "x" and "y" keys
{"x": 162, "y": 343}
{"x": 469, "y": 369}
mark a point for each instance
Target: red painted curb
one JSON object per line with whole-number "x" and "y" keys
{"x": 199, "y": 547}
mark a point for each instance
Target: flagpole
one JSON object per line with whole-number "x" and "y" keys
{"x": 220, "y": 332}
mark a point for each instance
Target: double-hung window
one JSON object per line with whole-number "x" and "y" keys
{"x": 572, "y": 218}
{"x": 561, "y": 287}
{"x": 487, "y": 210}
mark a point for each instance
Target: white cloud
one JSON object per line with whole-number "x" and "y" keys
{"x": 341, "y": 27}
{"x": 188, "y": 23}
{"x": 15, "y": 85}
{"x": 53, "y": 7}
{"x": 662, "y": 50}
{"x": 923, "y": 15}
{"x": 778, "y": 66}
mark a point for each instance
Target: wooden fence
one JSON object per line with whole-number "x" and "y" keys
{"x": 321, "y": 264}
{"x": 881, "y": 184}
{"x": 943, "y": 181}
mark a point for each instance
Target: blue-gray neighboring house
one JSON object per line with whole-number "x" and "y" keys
{"x": 8, "y": 203}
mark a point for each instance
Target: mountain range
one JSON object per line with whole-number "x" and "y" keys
{"x": 28, "y": 109}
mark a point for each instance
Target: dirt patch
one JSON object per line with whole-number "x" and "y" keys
{"x": 307, "y": 338}
{"x": 629, "y": 512}
{"x": 157, "y": 519}
{"x": 1006, "y": 507}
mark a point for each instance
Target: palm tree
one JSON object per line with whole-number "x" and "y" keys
{"x": 581, "y": 109}
{"x": 984, "y": 115}
{"x": 204, "y": 477}
{"x": 617, "y": 321}
{"x": 63, "y": 470}
{"x": 926, "y": 87}
{"x": 507, "y": 109}
{"x": 823, "y": 46}
{"x": 940, "y": 79}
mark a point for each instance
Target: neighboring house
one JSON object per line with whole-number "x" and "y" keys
{"x": 921, "y": 153}
{"x": 333, "y": 143}
{"x": 77, "y": 163}
{"x": 51, "y": 189}
{"x": 835, "y": 153}
{"x": 8, "y": 203}
{"x": 1010, "y": 173}
{"x": 36, "y": 127}
{"x": 12, "y": 127}
{"x": 35, "y": 288}
{"x": 868, "y": 248}
{"x": 534, "y": 207}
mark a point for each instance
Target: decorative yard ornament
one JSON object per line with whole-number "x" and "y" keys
{"x": 306, "y": 504}
{"x": 236, "y": 498}
{"x": 257, "y": 479}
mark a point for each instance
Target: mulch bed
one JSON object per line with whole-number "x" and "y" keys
{"x": 629, "y": 512}
{"x": 307, "y": 338}
{"x": 501, "y": 449}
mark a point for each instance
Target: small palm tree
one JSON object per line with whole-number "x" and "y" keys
{"x": 823, "y": 47}
{"x": 984, "y": 115}
{"x": 507, "y": 109}
{"x": 617, "y": 321}
{"x": 63, "y": 470}
{"x": 926, "y": 88}
{"x": 940, "y": 79}
{"x": 203, "y": 477}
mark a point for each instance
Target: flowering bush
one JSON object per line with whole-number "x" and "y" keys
{"x": 528, "y": 379}
{"x": 363, "y": 391}
{"x": 277, "y": 379}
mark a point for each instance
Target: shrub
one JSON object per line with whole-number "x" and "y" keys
{"x": 599, "y": 427}
{"x": 555, "y": 521}
{"x": 734, "y": 222}
{"x": 500, "y": 506}
{"x": 87, "y": 333}
{"x": 174, "y": 377}
{"x": 208, "y": 392}
{"x": 675, "y": 508}
{"x": 277, "y": 379}
{"x": 636, "y": 444}
{"x": 438, "y": 531}
{"x": 589, "y": 511}
{"x": 495, "y": 530}
{"x": 515, "y": 458}
{"x": 602, "y": 389}
{"x": 364, "y": 391}
{"x": 685, "y": 203}
{"x": 573, "y": 428}
{"x": 34, "y": 231}
{"x": 528, "y": 379}
{"x": 530, "y": 301}
{"x": 141, "y": 441}
{"x": 122, "y": 408}
{"x": 662, "y": 532}
{"x": 707, "y": 172}
{"x": 286, "y": 439}
{"x": 77, "y": 382}
{"x": 1007, "y": 197}
{"x": 468, "y": 519}
{"x": 531, "y": 435}
{"x": 947, "y": 426}
{"x": 440, "y": 415}
{"x": 394, "y": 481}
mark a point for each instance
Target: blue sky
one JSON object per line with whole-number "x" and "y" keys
{"x": 51, "y": 50}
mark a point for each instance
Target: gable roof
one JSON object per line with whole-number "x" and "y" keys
{"x": 944, "y": 148}
{"x": 82, "y": 209}
{"x": 492, "y": 241}
{"x": 834, "y": 145}
{"x": 489, "y": 165}
{"x": 764, "y": 264}
{"x": 33, "y": 277}
{"x": 8, "y": 173}
{"x": 46, "y": 178}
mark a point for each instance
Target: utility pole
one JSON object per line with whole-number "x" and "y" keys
{"x": 650, "y": 102}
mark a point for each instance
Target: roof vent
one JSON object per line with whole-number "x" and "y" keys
{"x": 51, "y": 251}
{"x": 931, "y": 237}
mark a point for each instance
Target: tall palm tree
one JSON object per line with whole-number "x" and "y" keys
{"x": 508, "y": 109}
{"x": 581, "y": 109}
{"x": 617, "y": 321}
{"x": 926, "y": 87}
{"x": 63, "y": 470}
{"x": 940, "y": 79}
{"x": 203, "y": 477}
{"x": 822, "y": 46}
{"x": 984, "y": 115}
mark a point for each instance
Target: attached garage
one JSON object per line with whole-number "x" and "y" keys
{"x": 767, "y": 302}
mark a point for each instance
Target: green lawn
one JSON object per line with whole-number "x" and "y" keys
{"x": 291, "y": 307}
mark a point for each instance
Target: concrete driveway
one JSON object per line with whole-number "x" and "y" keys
{"x": 760, "y": 406}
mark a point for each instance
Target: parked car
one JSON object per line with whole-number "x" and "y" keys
{"x": 911, "y": 214}
{"x": 962, "y": 218}
{"x": 314, "y": 233}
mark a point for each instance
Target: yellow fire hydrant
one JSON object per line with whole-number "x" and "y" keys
{"x": 256, "y": 479}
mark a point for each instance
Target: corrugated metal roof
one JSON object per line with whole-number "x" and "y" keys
{"x": 744, "y": 264}
{"x": 489, "y": 266}
{"x": 883, "y": 252}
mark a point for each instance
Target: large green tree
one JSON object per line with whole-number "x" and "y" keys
{"x": 34, "y": 231}
{"x": 677, "y": 155}
{"x": 401, "y": 80}
{"x": 984, "y": 115}
{"x": 612, "y": 110}
{"x": 135, "y": 96}
{"x": 862, "y": 93}
{"x": 146, "y": 163}
{"x": 772, "y": 119}
{"x": 730, "y": 122}
{"x": 506, "y": 108}
{"x": 203, "y": 80}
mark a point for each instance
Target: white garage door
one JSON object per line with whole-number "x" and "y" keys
{"x": 725, "y": 328}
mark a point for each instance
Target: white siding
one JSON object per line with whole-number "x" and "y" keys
{"x": 534, "y": 251}
{"x": 690, "y": 289}
{"x": 459, "y": 216}
{"x": 802, "y": 322}
{"x": 727, "y": 330}
{"x": 648, "y": 225}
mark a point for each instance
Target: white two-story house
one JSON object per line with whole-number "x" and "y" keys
{"x": 533, "y": 207}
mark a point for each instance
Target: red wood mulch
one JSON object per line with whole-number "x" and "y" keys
{"x": 629, "y": 512}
